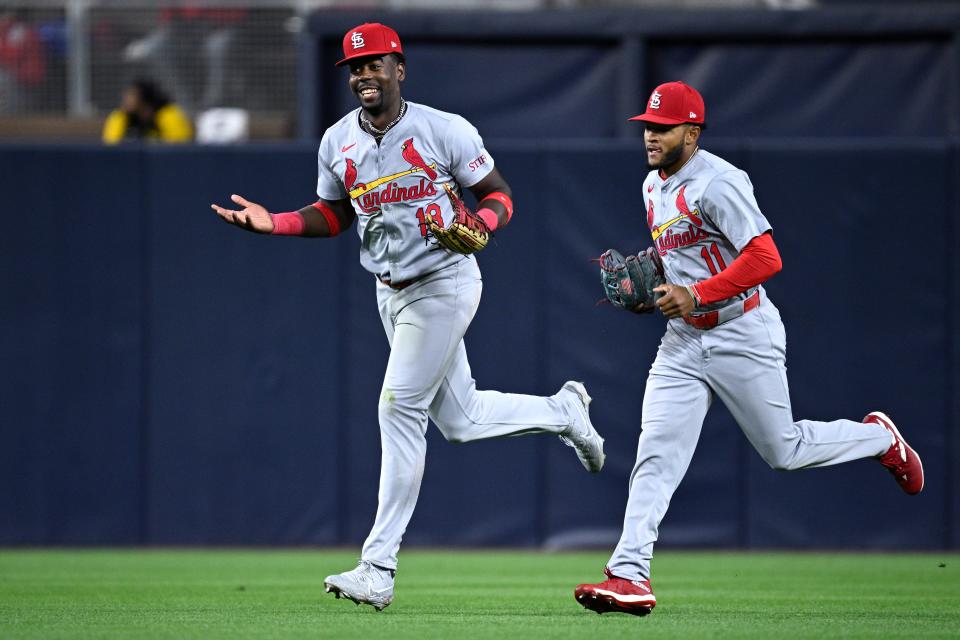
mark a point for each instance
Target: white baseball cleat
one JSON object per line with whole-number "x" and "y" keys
{"x": 367, "y": 584}
{"x": 581, "y": 435}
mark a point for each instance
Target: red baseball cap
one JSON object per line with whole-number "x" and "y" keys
{"x": 370, "y": 39}
{"x": 674, "y": 103}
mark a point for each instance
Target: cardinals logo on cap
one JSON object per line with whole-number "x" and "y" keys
{"x": 370, "y": 39}
{"x": 674, "y": 103}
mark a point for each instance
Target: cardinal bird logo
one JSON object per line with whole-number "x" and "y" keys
{"x": 350, "y": 174}
{"x": 696, "y": 229}
{"x": 685, "y": 210}
{"x": 412, "y": 156}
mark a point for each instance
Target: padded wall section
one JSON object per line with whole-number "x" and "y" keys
{"x": 173, "y": 380}
{"x": 71, "y": 271}
{"x": 244, "y": 378}
{"x": 814, "y": 87}
{"x": 842, "y": 217}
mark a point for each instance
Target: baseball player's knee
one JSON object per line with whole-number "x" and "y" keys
{"x": 458, "y": 422}
{"x": 780, "y": 459}
{"x": 393, "y": 405}
{"x": 455, "y": 438}
{"x": 456, "y": 430}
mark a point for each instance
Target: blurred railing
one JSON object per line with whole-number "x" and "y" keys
{"x": 72, "y": 58}
{"x": 64, "y": 63}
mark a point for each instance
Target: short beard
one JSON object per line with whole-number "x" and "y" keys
{"x": 671, "y": 158}
{"x": 374, "y": 109}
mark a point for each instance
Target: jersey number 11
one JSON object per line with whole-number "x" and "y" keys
{"x": 715, "y": 250}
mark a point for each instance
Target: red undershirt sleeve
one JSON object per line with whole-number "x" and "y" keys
{"x": 757, "y": 263}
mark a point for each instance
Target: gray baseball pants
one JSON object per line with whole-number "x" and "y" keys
{"x": 743, "y": 362}
{"x": 428, "y": 374}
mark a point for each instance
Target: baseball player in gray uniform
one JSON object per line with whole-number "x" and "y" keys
{"x": 385, "y": 165}
{"x": 724, "y": 339}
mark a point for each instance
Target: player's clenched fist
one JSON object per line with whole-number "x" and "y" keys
{"x": 253, "y": 217}
{"x": 676, "y": 301}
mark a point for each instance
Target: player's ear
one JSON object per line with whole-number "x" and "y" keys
{"x": 693, "y": 134}
{"x": 401, "y": 68}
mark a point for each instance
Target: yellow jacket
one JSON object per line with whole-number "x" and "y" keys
{"x": 170, "y": 124}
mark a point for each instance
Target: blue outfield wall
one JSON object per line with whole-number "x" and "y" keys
{"x": 843, "y": 71}
{"x": 168, "y": 379}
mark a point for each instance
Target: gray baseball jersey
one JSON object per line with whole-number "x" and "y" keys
{"x": 395, "y": 185}
{"x": 701, "y": 217}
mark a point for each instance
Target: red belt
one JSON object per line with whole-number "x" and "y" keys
{"x": 718, "y": 316}
{"x": 397, "y": 285}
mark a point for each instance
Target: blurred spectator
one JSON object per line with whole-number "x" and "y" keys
{"x": 185, "y": 36}
{"x": 23, "y": 62}
{"x": 147, "y": 114}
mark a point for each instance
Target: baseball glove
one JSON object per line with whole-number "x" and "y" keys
{"x": 629, "y": 282}
{"x": 467, "y": 232}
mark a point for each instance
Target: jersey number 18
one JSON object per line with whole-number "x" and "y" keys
{"x": 433, "y": 210}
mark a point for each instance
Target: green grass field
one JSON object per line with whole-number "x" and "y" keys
{"x": 472, "y": 594}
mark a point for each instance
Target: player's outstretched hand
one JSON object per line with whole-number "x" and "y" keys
{"x": 253, "y": 217}
{"x": 676, "y": 301}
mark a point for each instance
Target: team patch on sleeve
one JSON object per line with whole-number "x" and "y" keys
{"x": 476, "y": 163}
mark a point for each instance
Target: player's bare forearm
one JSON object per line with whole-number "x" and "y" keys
{"x": 326, "y": 218}
{"x": 493, "y": 183}
{"x": 322, "y": 219}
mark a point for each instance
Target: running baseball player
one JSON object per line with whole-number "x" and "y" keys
{"x": 724, "y": 338}
{"x": 397, "y": 168}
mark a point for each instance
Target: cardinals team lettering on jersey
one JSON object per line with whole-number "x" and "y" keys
{"x": 701, "y": 217}
{"x": 396, "y": 185}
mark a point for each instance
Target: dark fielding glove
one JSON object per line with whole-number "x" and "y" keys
{"x": 629, "y": 282}
{"x": 467, "y": 232}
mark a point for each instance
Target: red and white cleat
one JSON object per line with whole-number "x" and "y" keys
{"x": 617, "y": 594}
{"x": 902, "y": 461}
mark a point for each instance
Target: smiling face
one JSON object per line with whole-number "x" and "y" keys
{"x": 669, "y": 146}
{"x": 375, "y": 80}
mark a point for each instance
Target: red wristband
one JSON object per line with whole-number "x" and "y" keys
{"x": 333, "y": 223}
{"x": 489, "y": 217}
{"x": 503, "y": 199}
{"x": 289, "y": 223}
